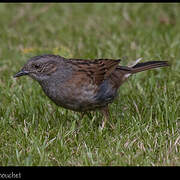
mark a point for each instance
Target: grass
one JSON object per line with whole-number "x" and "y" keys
{"x": 146, "y": 115}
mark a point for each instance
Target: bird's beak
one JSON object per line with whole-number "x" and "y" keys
{"x": 21, "y": 73}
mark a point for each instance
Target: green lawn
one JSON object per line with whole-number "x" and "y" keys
{"x": 146, "y": 116}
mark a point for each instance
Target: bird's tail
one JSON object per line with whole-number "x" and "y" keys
{"x": 148, "y": 65}
{"x": 141, "y": 67}
{"x": 123, "y": 72}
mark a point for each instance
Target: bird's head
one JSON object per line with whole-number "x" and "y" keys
{"x": 40, "y": 67}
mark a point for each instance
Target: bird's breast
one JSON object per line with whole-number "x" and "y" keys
{"x": 80, "y": 95}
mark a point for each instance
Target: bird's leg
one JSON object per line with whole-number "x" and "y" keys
{"x": 78, "y": 122}
{"x": 105, "y": 112}
{"x": 82, "y": 114}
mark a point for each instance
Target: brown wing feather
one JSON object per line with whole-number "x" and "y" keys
{"x": 98, "y": 70}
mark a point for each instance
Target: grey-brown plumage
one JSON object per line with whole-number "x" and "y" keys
{"x": 82, "y": 85}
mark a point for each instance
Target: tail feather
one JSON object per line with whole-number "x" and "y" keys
{"x": 148, "y": 65}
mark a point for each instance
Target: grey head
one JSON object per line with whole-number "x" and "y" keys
{"x": 41, "y": 67}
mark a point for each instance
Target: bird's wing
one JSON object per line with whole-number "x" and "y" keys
{"x": 97, "y": 70}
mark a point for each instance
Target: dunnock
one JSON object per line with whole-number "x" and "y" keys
{"x": 82, "y": 85}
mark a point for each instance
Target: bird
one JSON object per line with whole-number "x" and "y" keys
{"x": 82, "y": 85}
